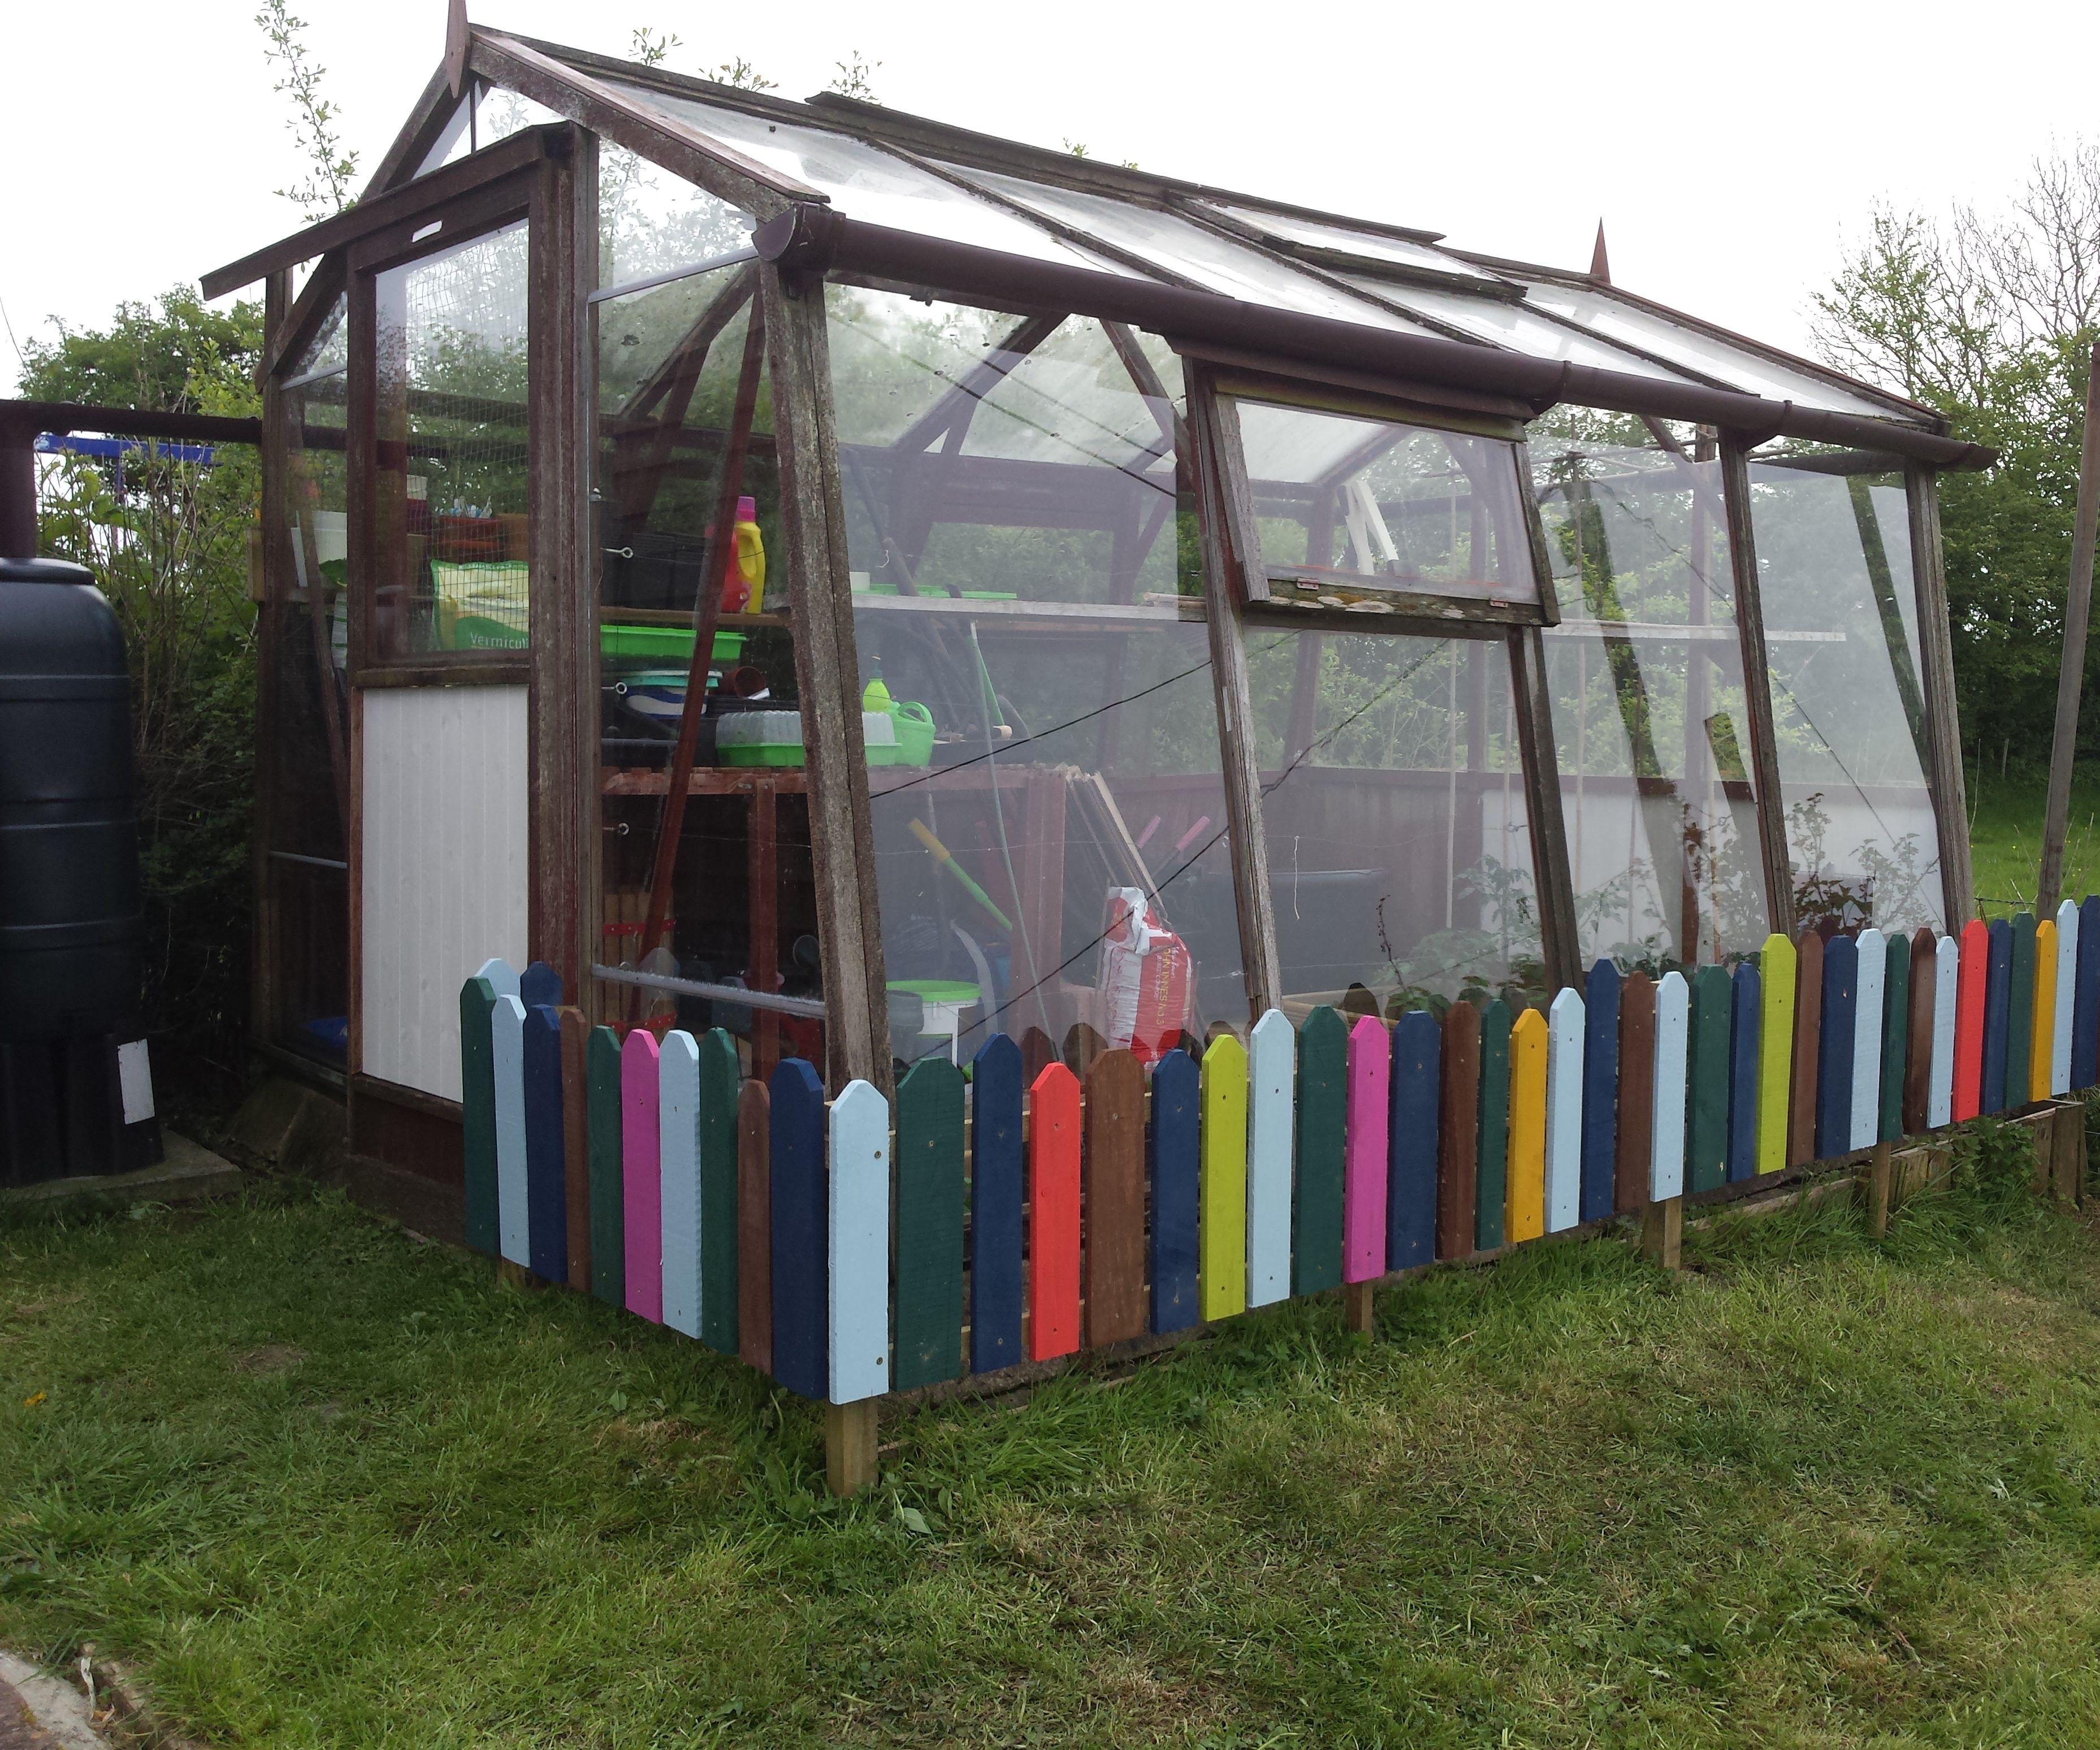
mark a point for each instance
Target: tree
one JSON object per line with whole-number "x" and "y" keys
{"x": 1991, "y": 319}
{"x": 167, "y": 540}
{"x": 331, "y": 185}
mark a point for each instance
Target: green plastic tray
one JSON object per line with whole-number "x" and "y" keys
{"x": 655, "y": 643}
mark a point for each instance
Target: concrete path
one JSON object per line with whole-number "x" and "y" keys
{"x": 38, "y": 1711}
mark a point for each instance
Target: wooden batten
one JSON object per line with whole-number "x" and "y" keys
{"x": 1943, "y": 716}
{"x": 1757, "y": 686}
{"x": 1552, "y": 878}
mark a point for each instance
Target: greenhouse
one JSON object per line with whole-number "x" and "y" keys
{"x": 804, "y": 568}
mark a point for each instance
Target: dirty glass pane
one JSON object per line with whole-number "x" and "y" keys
{"x": 1514, "y": 326}
{"x": 1392, "y": 793}
{"x": 1834, "y": 559}
{"x": 1348, "y": 504}
{"x": 742, "y": 903}
{"x": 1323, "y": 234}
{"x": 1745, "y": 367}
{"x": 1645, "y": 671}
{"x": 1217, "y": 262}
{"x": 452, "y": 501}
{"x": 651, "y": 222}
{"x": 488, "y": 115}
{"x": 1049, "y": 818}
{"x": 301, "y": 640}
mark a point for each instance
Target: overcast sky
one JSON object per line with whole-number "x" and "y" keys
{"x": 1731, "y": 150}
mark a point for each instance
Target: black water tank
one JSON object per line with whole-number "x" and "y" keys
{"x": 69, "y": 915}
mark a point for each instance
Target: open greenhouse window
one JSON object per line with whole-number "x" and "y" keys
{"x": 1356, "y": 510}
{"x": 1393, "y": 805}
{"x": 715, "y": 885}
{"x": 451, "y": 484}
{"x": 1833, "y": 536}
{"x": 1048, "y": 807}
{"x": 1645, "y": 671}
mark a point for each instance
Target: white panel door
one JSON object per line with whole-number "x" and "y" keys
{"x": 443, "y": 885}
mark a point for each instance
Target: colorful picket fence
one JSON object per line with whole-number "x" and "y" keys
{"x": 850, "y": 1249}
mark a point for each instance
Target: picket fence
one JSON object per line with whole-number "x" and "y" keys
{"x": 1029, "y": 1212}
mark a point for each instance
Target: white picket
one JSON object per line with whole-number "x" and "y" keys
{"x": 1666, "y": 1171}
{"x": 678, "y": 1157}
{"x": 506, "y": 1027}
{"x": 1872, "y": 991}
{"x": 1946, "y": 985}
{"x": 2066, "y": 996}
{"x": 1272, "y": 1078}
{"x": 859, "y": 1291}
{"x": 1565, "y": 1023}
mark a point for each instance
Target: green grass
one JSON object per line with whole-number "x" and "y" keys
{"x": 329, "y": 1485}
{"x": 2004, "y": 839}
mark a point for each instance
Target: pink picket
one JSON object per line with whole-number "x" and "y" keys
{"x": 1363, "y": 1160}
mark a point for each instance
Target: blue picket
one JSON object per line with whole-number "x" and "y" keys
{"x": 1834, "y": 1071}
{"x": 1171, "y": 1163}
{"x": 540, "y": 983}
{"x": 996, "y": 1178}
{"x": 1745, "y": 1017}
{"x": 801, "y": 1207}
{"x": 1600, "y": 1089}
{"x": 546, "y": 1153}
{"x": 1410, "y": 1207}
{"x": 1997, "y": 1004}
{"x": 2086, "y": 1006}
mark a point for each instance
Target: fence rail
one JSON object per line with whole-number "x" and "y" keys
{"x": 1035, "y": 1207}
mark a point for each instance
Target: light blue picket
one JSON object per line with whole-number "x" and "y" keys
{"x": 1870, "y": 992}
{"x": 859, "y": 1304}
{"x": 1564, "y": 1024}
{"x": 1946, "y": 987}
{"x": 2066, "y": 995}
{"x": 502, "y": 979}
{"x": 1271, "y": 1073}
{"x": 507, "y": 1043}
{"x": 1673, "y": 1020}
{"x": 678, "y": 1156}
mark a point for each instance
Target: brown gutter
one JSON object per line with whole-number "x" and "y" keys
{"x": 818, "y": 240}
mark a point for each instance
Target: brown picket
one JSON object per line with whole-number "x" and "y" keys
{"x": 1807, "y": 1048}
{"x": 1114, "y": 1193}
{"x": 576, "y": 1143}
{"x": 1630, "y": 1163}
{"x": 1458, "y": 1143}
{"x": 1037, "y": 1054}
{"x": 754, "y": 1226}
{"x": 1082, "y": 1045}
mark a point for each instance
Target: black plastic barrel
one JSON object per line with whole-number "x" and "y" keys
{"x": 70, "y": 921}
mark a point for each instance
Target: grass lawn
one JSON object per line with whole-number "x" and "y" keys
{"x": 2004, "y": 839}
{"x": 328, "y": 1485}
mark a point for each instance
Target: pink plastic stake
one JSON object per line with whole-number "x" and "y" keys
{"x": 1364, "y": 1161}
{"x": 642, "y": 1174}
{"x": 1189, "y": 838}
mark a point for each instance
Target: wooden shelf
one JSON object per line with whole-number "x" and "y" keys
{"x": 704, "y": 780}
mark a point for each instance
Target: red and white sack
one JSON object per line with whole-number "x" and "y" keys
{"x": 1144, "y": 983}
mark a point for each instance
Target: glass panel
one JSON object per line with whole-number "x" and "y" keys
{"x": 1217, "y": 263}
{"x": 304, "y": 765}
{"x": 651, "y": 221}
{"x": 1392, "y": 794}
{"x": 451, "y": 499}
{"x": 1513, "y": 326}
{"x": 492, "y": 114}
{"x": 1833, "y": 558}
{"x": 1049, "y": 815}
{"x": 1645, "y": 674}
{"x": 1347, "y": 503}
{"x": 1615, "y": 319}
{"x": 743, "y": 901}
{"x": 866, "y": 182}
{"x": 1373, "y": 246}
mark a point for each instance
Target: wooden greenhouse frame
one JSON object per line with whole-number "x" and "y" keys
{"x": 1404, "y": 347}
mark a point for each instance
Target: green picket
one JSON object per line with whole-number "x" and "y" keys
{"x": 1323, "y": 1056}
{"x": 608, "y": 1185}
{"x": 1706, "y": 1140}
{"x": 929, "y": 1224}
{"x": 477, "y": 1112}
